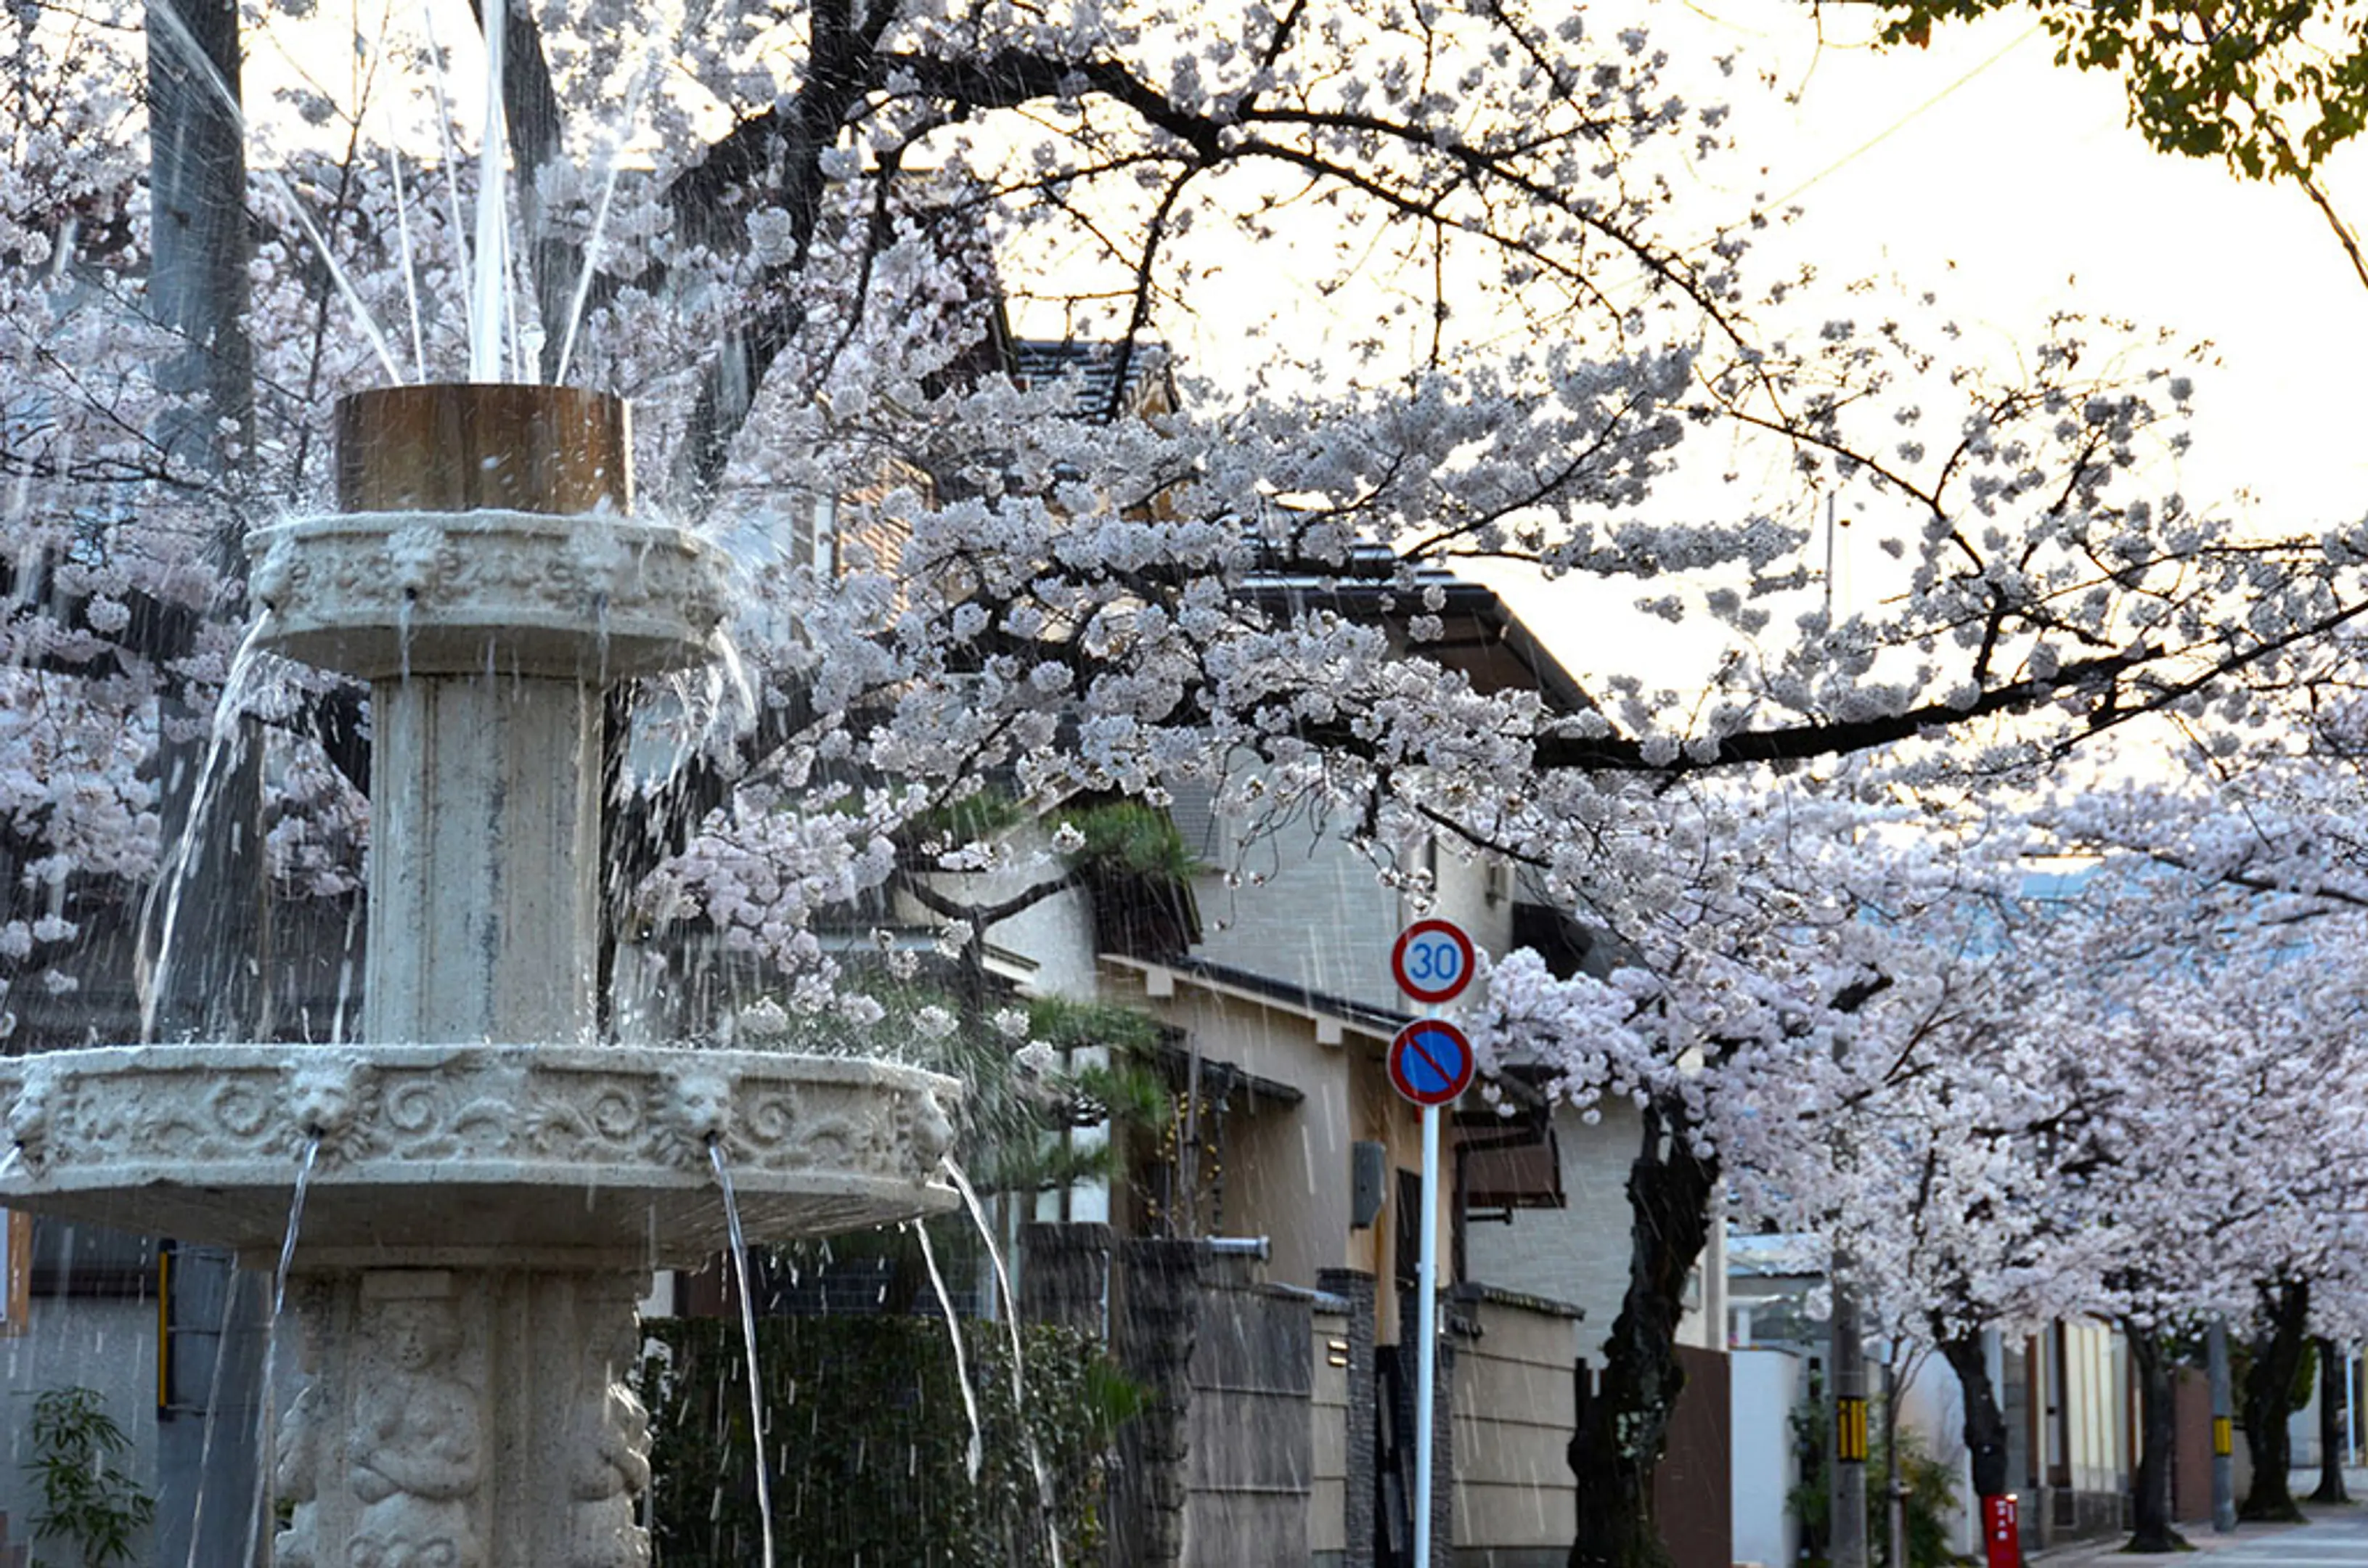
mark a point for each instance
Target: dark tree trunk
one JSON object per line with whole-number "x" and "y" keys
{"x": 1985, "y": 1432}
{"x": 2269, "y": 1399}
{"x": 2334, "y": 1402}
{"x": 2158, "y": 1435}
{"x": 1623, "y": 1426}
{"x": 210, "y": 982}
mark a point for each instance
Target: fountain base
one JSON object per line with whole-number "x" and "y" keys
{"x": 464, "y": 1417}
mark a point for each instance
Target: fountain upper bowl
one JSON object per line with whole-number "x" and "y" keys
{"x": 381, "y": 595}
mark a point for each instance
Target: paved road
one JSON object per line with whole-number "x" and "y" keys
{"x": 2338, "y": 1537}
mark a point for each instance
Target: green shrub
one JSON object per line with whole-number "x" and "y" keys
{"x": 85, "y": 1500}
{"x": 1932, "y": 1491}
{"x": 867, "y": 1442}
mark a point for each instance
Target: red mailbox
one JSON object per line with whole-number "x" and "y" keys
{"x": 2001, "y": 1531}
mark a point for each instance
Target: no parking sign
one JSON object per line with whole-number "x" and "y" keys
{"x": 1430, "y": 1062}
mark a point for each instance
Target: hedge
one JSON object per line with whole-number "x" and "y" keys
{"x": 867, "y": 1441}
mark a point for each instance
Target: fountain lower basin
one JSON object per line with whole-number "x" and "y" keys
{"x": 473, "y": 1155}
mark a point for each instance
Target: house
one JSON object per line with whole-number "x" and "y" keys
{"x": 1284, "y": 1007}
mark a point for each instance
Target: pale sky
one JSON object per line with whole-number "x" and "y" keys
{"x": 1980, "y": 151}
{"x": 2013, "y": 188}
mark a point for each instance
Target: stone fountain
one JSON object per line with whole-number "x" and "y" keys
{"x": 488, "y": 1185}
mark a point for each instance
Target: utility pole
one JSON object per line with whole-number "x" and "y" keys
{"x": 2223, "y": 1445}
{"x": 1895, "y": 1489}
{"x": 1846, "y": 1515}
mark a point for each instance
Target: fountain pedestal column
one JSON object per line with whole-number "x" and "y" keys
{"x": 482, "y": 918}
{"x": 461, "y": 1417}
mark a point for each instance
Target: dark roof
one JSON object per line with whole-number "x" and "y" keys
{"x": 1481, "y": 635}
{"x": 1093, "y": 368}
{"x": 1222, "y": 1078}
{"x": 1380, "y": 1020}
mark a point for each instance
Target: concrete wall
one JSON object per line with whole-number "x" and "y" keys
{"x": 1516, "y": 1499}
{"x": 1249, "y": 1461}
{"x": 1768, "y": 1386}
{"x": 109, "y": 1346}
{"x": 1327, "y": 1431}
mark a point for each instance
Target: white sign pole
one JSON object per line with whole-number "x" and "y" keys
{"x": 1427, "y": 1341}
{"x": 1432, "y": 962}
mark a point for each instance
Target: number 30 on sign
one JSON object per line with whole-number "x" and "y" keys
{"x": 1433, "y": 961}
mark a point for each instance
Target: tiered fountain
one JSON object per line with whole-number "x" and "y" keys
{"x": 486, "y": 1187}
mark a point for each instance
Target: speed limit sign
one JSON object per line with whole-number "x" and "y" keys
{"x": 1433, "y": 961}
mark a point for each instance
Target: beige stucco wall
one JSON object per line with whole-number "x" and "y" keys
{"x": 1054, "y": 935}
{"x": 1514, "y": 1411}
{"x": 1287, "y": 1172}
{"x": 1466, "y": 892}
{"x": 1287, "y": 1175}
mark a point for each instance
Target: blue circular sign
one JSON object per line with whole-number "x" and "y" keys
{"x": 1430, "y": 1062}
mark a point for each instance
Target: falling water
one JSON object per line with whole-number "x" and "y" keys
{"x": 214, "y": 1385}
{"x": 748, "y": 1337}
{"x": 485, "y": 329}
{"x": 591, "y": 250}
{"x": 173, "y": 874}
{"x": 8, "y": 1161}
{"x": 1011, "y": 1324}
{"x": 584, "y": 276}
{"x": 735, "y": 676}
{"x": 961, "y": 1361}
{"x": 451, "y": 161}
{"x": 410, "y": 272}
{"x": 264, "y": 1424}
